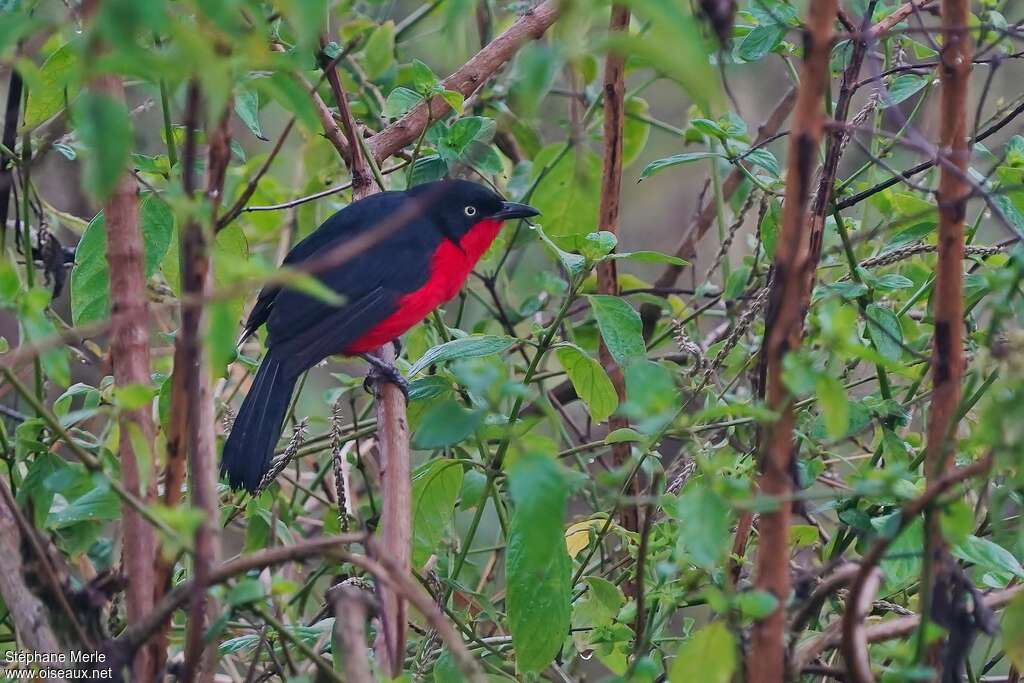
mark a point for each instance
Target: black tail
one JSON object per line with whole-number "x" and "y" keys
{"x": 250, "y": 446}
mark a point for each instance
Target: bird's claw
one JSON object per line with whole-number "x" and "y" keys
{"x": 382, "y": 371}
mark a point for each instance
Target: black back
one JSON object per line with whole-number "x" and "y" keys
{"x": 307, "y": 329}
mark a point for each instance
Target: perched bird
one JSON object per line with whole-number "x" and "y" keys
{"x": 412, "y": 251}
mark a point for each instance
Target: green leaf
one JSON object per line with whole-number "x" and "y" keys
{"x": 290, "y": 94}
{"x": 435, "y": 488}
{"x": 568, "y": 195}
{"x": 759, "y": 42}
{"x": 883, "y": 328}
{"x": 58, "y": 81}
{"x": 676, "y": 160}
{"x": 833, "y": 405}
{"x": 399, "y": 101}
{"x": 765, "y": 159}
{"x": 590, "y": 382}
{"x": 537, "y": 564}
{"x": 594, "y": 246}
{"x": 650, "y": 257}
{"x": 247, "y": 108}
{"x": 756, "y": 604}
{"x": 468, "y": 347}
{"x": 1013, "y": 631}
{"x": 704, "y": 520}
{"x": 444, "y": 424}
{"x": 710, "y": 128}
{"x": 98, "y": 504}
{"x": 989, "y": 556}
{"x": 574, "y": 264}
{"x": 623, "y": 435}
{"x": 106, "y": 130}
{"x": 455, "y": 100}
{"x": 379, "y": 54}
{"x": 905, "y": 86}
{"x": 244, "y": 592}
{"x": 90, "y": 278}
{"x": 635, "y": 131}
{"x": 620, "y": 328}
{"x": 38, "y": 328}
{"x": 424, "y": 81}
{"x": 709, "y": 656}
{"x": 10, "y": 282}
{"x": 428, "y": 169}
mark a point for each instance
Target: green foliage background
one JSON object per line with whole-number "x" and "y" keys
{"x": 515, "y": 497}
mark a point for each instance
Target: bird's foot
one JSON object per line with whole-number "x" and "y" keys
{"x": 383, "y": 371}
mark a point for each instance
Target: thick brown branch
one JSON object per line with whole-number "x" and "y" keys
{"x": 902, "y": 627}
{"x": 947, "y": 361}
{"x": 784, "y": 326}
{"x": 351, "y": 608}
{"x": 608, "y": 219}
{"x": 705, "y": 218}
{"x": 129, "y": 354}
{"x": 197, "y": 280}
{"x": 467, "y": 79}
{"x": 27, "y": 612}
{"x": 396, "y": 512}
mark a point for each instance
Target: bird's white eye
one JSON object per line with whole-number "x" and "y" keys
{"x": 470, "y": 210}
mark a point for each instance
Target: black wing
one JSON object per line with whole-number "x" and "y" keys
{"x": 308, "y": 329}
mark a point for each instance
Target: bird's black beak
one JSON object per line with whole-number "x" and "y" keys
{"x": 515, "y": 210}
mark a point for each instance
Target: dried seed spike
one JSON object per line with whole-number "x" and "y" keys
{"x": 280, "y": 462}
{"x": 336, "y": 463}
{"x": 737, "y": 223}
{"x": 690, "y": 348}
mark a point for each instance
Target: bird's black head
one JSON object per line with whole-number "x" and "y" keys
{"x": 455, "y": 206}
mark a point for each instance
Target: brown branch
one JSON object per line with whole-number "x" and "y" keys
{"x": 177, "y": 419}
{"x": 129, "y": 354}
{"x": 898, "y": 15}
{"x": 834, "y": 146}
{"x": 467, "y": 79}
{"x": 608, "y": 219}
{"x": 250, "y": 188}
{"x": 902, "y": 627}
{"x": 9, "y": 137}
{"x": 351, "y": 608}
{"x": 392, "y": 444}
{"x": 855, "y": 639}
{"x": 197, "y": 280}
{"x": 784, "y": 330}
{"x": 332, "y": 548}
{"x": 947, "y": 361}
{"x": 360, "y": 170}
{"x": 687, "y": 248}
{"x": 122, "y": 647}
{"x": 852, "y": 618}
{"x": 27, "y": 612}
{"x": 396, "y": 511}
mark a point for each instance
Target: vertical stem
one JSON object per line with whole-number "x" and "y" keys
{"x": 196, "y": 279}
{"x": 10, "y": 135}
{"x": 947, "y": 360}
{"x": 396, "y": 513}
{"x": 608, "y": 219}
{"x": 129, "y": 353}
{"x": 784, "y": 329}
{"x": 392, "y": 432}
